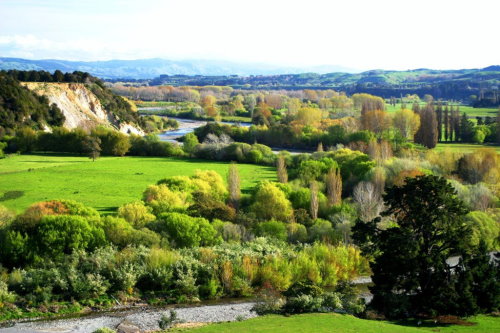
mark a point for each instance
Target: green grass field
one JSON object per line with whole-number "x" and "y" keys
{"x": 464, "y": 147}
{"x": 336, "y": 323}
{"x": 469, "y": 110}
{"x": 104, "y": 184}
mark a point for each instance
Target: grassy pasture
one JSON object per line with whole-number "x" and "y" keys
{"x": 104, "y": 184}
{"x": 469, "y": 110}
{"x": 336, "y": 323}
{"x": 464, "y": 147}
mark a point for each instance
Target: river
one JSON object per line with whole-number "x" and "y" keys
{"x": 188, "y": 126}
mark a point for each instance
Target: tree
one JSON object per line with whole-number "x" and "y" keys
{"x": 375, "y": 120}
{"x": 309, "y": 116}
{"x": 281, "y": 169}
{"x": 186, "y": 231}
{"x": 406, "y": 122}
{"x": 466, "y": 129}
{"x": 271, "y": 203}
{"x": 233, "y": 185}
{"x": 314, "y": 200}
{"x": 427, "y": 134}
{"x": 333, "y": 181}
{"x": 190, "y": 143}
{"x": 411, "y": 274}
{"x": 92, "y": 145}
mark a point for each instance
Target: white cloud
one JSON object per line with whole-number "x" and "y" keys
{"x": 392, "y": 34}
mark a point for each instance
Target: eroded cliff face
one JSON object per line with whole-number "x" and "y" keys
{"x": 80, "y": 106}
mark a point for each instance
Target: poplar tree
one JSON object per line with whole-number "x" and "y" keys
{"x": 333, "y": 182}
{"x": 233, "y": 184}
{"x": 281, "y": 169}
{"x": 427, "y": 134}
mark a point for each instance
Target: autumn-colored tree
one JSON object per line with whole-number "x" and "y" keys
{"x": 427, "y": 134}
{"x": 274, "y": 100}
{"x": 333, "y": 181}
{"x": 311, "y": 95}
{"x": 367, "y": 102}
{"x": 208, "y": 103}
{"x": 262, "y": 114}
{"x": 233, "y": 185}
{"x": 293, "y": 106}
{"x": 400, "y": 178}
{"x": 281, "y": 169}
{"x": 406, "y": 122}
{"x": 375, "y": 120}
{"x": 309, "y": 116}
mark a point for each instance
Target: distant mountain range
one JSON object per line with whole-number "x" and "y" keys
{"x": 151, "y": 68}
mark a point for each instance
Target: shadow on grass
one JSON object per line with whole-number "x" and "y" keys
{"x": 11, "y": 195}
{"x": 443, "y": 321}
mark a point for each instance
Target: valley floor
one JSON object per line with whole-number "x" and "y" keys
{"x": 105, "y": 184}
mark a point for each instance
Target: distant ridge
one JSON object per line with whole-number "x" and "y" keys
{"x": 150, "y": 68}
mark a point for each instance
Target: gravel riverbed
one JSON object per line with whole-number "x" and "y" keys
{"x": 137, "y": 320}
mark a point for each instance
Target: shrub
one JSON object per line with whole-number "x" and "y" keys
{"x": 104, "y": 330}
{"x": 270, "y": 202}
{"x": 186, "y": 231}
{"x": 167, "y": 321}
{"x": 273, "y": 229}
{"x": 136, "y": 213}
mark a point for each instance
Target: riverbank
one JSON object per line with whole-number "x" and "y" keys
{"x": 134, "y": 320}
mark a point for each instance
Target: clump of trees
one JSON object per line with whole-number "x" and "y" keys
{"x": 413, "y": 268}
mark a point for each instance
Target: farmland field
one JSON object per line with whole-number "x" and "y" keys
{"x": 464, "y": 147}
{"x": 336, "y": 323}
{"x": 469, "y": 110}
{"x": 104, "y": 184}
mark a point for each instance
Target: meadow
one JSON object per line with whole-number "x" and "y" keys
{"x": 104, "y": 184}
{"x": 469, "y": 110}
{"x": 337, "y": 323}
{"x": 464, "y": 147}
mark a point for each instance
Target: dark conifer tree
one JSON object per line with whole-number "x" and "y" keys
{"x": 446, "y": 121}
{"x": 427, "y": 134}
{"x": 439, "y": 116}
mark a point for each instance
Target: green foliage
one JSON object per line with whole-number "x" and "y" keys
{"x": 136, "y": 213}
{"x": 271, "y": 203}
{"x": 186, "y": 231}
{"x": 272, "y": 229}
{"x": 189, "y": 143}
{"x": 485, "y": 229}
{"x": 410, "y": 270}
{"x": 64, "y": 234}
{"x": 20, "y": 107}
{"x": 104, "y": 330}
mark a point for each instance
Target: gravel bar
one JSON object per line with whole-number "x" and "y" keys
{"x": 144, "y": 320}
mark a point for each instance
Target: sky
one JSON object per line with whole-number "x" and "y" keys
{"x": 356, "y": 34}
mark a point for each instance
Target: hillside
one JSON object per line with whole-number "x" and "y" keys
{"x": 447, "y": 84}
{"x": 81, "y": 102}
{"x": 150, "y": 68}
{"x": 80, "y": 106}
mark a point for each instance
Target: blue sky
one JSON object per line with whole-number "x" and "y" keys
{"x": 360, "y": 34}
